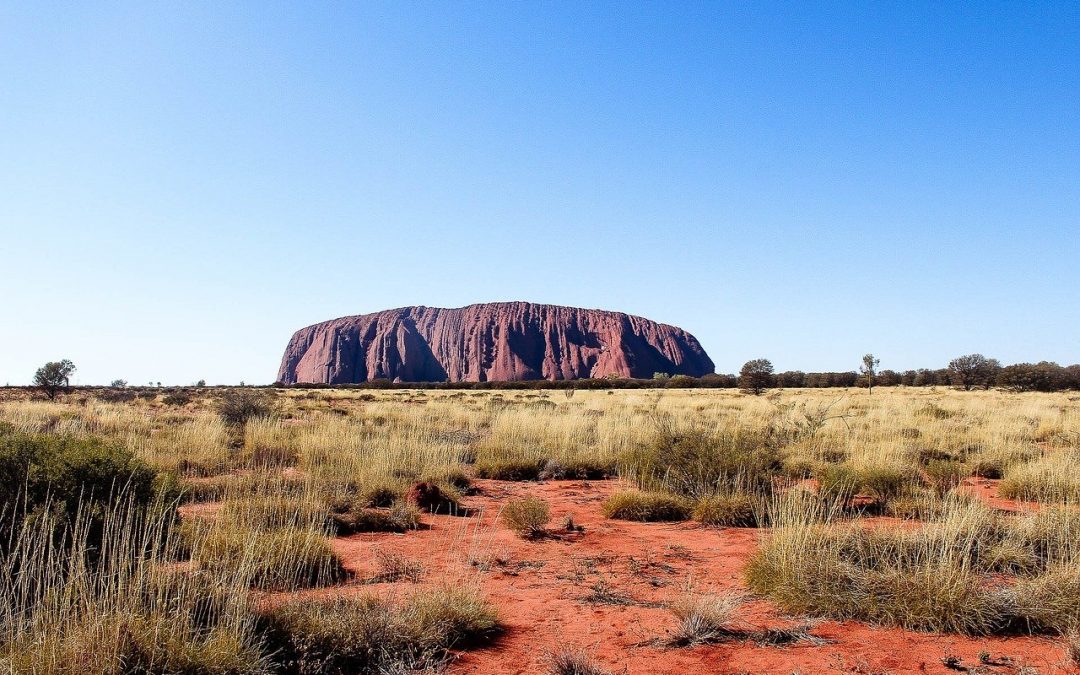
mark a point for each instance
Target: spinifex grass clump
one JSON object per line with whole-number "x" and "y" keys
{"x": 96, "y": 607}
{"x": 528, "y": 517}
{"x": 646, "y": 506}
{"x": 371, "y": 634}
{"x": 705, "y": 618}
{"x": 279, "y": 541}
{"x": 1050, "y": 479}
{"x": 695, "y": 462}
{"x": 944, "y": 576}
{"x": 734, "y": 509}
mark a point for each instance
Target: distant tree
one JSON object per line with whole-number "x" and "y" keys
{"x": 756, "y": 376}
{"x": 1071, "y": 379}
{"x": 889, "y": 378}
{"x": 200, "y": 383}
{"x": 118, "y": 384}
{"x": 681, "y": 382}
{"x": 868, "y": 370}
{"x": 1042, "y": 376}
{"x": 973, "y": 370}
{"x": 661, "y": 376}
{"x": 54, "y": 377}
{"x": 791, "y": 378}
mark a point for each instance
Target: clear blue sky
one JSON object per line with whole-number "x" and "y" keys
{"x": 184, "y": 184}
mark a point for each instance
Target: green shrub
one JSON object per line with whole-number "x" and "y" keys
{"x": 944, "y": 475}
{"x": 646, "y": 507}
{"x": 527, "y": 517}
{"x": 883, "y": 483}
{"x": 67, "y": 475}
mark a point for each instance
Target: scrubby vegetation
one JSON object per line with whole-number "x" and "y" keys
{"x": 143, "y": 534}
{"x": 370, "y": 634}
{"x": 966, "y": 570}
{"x": 528, "y": 517}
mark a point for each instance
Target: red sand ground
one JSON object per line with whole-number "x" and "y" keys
{"x": 548, "y": 592}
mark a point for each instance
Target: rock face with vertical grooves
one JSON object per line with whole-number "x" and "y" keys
{"x": 488, "y": 342}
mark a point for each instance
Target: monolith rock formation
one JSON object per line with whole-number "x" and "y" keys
{"x": 489, "y": 342}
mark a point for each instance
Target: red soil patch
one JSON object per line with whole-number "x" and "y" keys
{"x": 986, "y": 489}
{"x": 604, "y": 590}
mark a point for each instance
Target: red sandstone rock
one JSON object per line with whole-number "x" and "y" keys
{"x": 489, "y": 342}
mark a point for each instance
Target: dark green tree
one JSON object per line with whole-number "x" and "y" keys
{"x": 973, "y": 370}
{"x": 756, "y": 376}
{"x": 54, "y": 377}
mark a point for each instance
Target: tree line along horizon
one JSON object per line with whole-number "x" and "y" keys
{"x": 971, "y": 371}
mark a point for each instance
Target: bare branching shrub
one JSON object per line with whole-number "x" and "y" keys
{"x": 396, "y": 567}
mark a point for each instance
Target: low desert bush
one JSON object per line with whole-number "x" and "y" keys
{"x": 369, "y": 634}
{"x": 280, "y": 559}
{"x": 508, "y": 469}
{"x": 1051, "y": 479}
{"x": 68, "y": 477}
{"x": 237, "y": 406}
{"x": 574, "y": 661}
{"x": 705, "y": 618}
{"x": 528, "y": 517}
{"x": 646, "y": 506}
{"x": 943, "y": 576}
{"x": 401, "y": 516}
{"x": 396, "y": 567}
{"x": 735, "y": 509}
